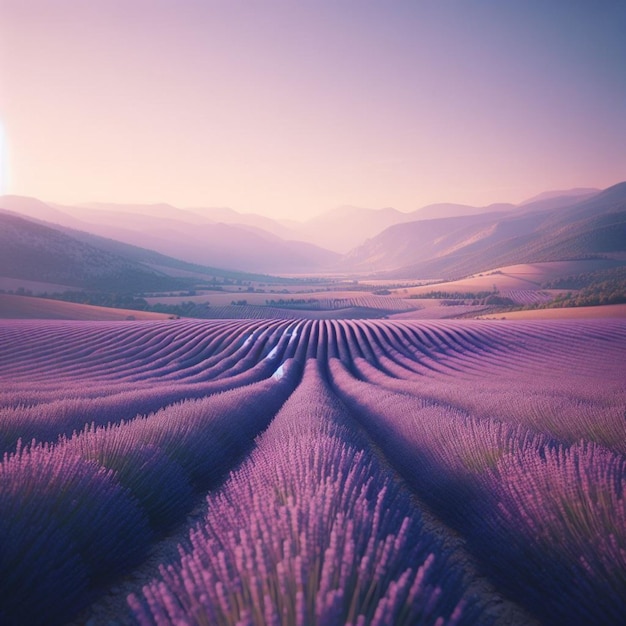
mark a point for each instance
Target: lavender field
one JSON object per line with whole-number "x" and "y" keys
{"x": 348, "y": 472}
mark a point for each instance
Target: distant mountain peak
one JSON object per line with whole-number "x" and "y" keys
{"x": 574, "y": 192}
{"x": 446, "y": 209}
{"x": 555, "y": 228}
{"x": 348, "y": 210}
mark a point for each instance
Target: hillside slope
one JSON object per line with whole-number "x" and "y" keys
{"x": 454, "y": 247}
{"x": 184, "y": 234}
{"x": 36, "y": 251}
{"x": 27, "y": 308}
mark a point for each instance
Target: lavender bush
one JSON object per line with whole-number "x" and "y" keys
{"x": 311, "y": 530}
{"x": 66, "y": 525}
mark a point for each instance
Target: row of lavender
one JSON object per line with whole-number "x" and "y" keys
{"x": 61, "y": 376}
{"x": 310, "y": 530}
{"x": 564, "y": 380}
{"x": 541, "y": 512}
{"x": 484, "y": 420}
{"x": 76, "y": 514}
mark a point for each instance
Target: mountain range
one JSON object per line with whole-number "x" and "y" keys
{"x": 188, "y": 235}
{"x": 458, "y": 246}
{"x": 46, "y": 254}
{"x": 156, "y": 246}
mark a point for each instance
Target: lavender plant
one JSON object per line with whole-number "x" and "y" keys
{"x": 66, "y": 525}
{"x": 311, "y": 530}
{"x": 546, "y": 521}
{"x": 562, "y": 519}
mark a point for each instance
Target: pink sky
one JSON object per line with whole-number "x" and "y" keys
{"x": 291, "y": 108}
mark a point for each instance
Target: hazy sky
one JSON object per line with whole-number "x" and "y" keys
{"x": 291, "y": 108}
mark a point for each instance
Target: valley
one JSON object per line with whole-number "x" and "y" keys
{"x": 515, "y": 254}
{"x": 427, "y": 429}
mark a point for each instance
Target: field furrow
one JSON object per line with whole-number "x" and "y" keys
{"x": 462, "y": 467}
{"x": 311, "y": 529}
{"x": 341, "y": 438}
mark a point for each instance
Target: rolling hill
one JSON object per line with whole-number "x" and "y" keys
{"x": 35, "y": 251}
{"x": 459, "y": 246}
{"x": 346, "y": 227}
{"x": 184, "y": 234}
{"x": 150, "y": 247}
{"x": 28, "y": 308}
